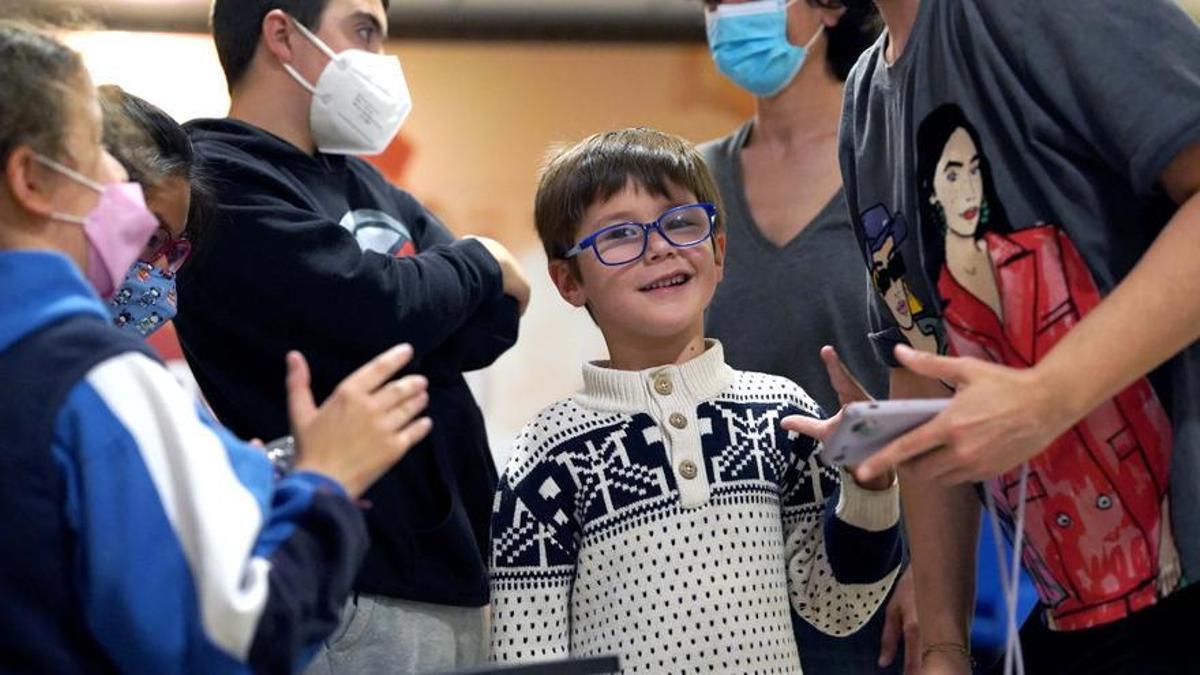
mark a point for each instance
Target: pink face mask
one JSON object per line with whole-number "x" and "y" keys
{"x": 116, "y": 230}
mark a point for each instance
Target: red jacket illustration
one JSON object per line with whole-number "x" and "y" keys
{"x": 1097, "y": 534}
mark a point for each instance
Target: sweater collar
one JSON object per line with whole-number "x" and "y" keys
{"x": 695, "y": 380}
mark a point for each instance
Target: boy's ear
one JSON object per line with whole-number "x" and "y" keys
{"x": 568, "y": 283}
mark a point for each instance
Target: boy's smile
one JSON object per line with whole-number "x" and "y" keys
{"x": 667, "y": 283}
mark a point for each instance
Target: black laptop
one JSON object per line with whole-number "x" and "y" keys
{"x": 601, "y": 665}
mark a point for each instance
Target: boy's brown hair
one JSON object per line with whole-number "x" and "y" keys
{"x": 593, "y": 170}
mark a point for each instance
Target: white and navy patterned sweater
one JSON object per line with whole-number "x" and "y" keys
{"x": 665, "y": 517}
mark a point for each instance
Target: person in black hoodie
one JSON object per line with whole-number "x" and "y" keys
{"x": 314, "y": 250}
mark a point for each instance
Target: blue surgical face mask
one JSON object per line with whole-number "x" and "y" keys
{"x": 145, "y": 301}
{"x": 749, "y": 43}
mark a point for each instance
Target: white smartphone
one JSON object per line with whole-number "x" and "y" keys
{"x": 867, "y": 426}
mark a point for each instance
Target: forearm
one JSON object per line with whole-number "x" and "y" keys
{"x": 942, "y": 524}
{"x": 489, "y": 333}
{"x": 842, "y": 561}
{"x": 837, "y": 603}
{"x": 862, "y": 533}
{"x": 312, "y": 569}
{"x": 1150, "y": 316}
{"x": 531, "y": 585}
{"x": 250, "y": 571}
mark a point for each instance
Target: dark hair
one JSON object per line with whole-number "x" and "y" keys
{"x": 857, "y": 30}
{"x": 36, "y": 78}
{"x": 932, "y": 136}
{"x": 237, "y": 27}
{"x": 153, "y": 148}
{"x": 593, "y": 170}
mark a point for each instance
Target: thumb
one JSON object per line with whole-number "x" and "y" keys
{"x": 847, "y": 387}
{"x": 301, "y": 406}
{"x": 945, "y": 368}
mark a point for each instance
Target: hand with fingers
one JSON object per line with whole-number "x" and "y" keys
{"x": 849, "y": 390}
{"x": 900, "y": 623}
{"x": 999, "y": 418}
{"x": 364, "y": 427}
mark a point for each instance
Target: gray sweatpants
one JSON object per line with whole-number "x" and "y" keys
{"x": 386, "y": 635}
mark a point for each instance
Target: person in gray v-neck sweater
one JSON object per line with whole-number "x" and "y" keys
{"x": 794, "y": 277}
{"x": 778, "y": 305}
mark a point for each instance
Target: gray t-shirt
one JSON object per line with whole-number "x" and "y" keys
{"x": 1002, "y": 179}
{"x": 777, "y": 306}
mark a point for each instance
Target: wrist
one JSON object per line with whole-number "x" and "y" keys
{"x": 865, "y": 508}
{"x": 320, "y": 482}
{"x": 1062, "y": 394}
{"x": 883, "y": 481}
{"x": 947, "y": 657}
{"x": 331, "y": 472}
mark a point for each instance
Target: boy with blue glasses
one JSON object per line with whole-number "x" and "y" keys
{"x": 663, "y": 514}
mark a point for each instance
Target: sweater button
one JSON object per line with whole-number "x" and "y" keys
{"x": 662, "y": 384}
{"x": 687, "y": 469}
{"x": 678, "y": 420}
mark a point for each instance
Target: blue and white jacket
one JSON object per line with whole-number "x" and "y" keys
{"x": 139, "y": 535}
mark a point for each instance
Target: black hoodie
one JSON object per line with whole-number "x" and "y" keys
{"x": 321, "y": 254}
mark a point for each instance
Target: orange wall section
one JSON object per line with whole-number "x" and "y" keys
{"x": 484, "y": 116}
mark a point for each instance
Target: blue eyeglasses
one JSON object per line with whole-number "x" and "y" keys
{"x": 682, "y": 227}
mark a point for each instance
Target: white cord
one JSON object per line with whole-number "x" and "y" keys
{"x": 1010, "y": 579}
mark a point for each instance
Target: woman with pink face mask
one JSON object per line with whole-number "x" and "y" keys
{"x": 143, "y": 536}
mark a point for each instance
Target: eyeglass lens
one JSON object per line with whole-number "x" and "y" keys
{"x": 682, "y": 227}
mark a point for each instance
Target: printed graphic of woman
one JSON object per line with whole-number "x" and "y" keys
{"x": 1098, "y": 540}
{"x": 885, "y": 233}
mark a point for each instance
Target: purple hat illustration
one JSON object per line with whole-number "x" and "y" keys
{"x": 878, "y": 225}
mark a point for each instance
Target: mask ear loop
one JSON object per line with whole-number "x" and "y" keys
{"x": 69, "y": 173}
{"x": 312, "y": 37}
{"x": 319, "y": 44}
{"x": 73, "y": 175}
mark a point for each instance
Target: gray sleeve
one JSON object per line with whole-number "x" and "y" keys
{"x": 884, "y": 334}
{"x": 1123, "y": 75}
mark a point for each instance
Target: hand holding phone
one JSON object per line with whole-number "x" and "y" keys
{"x": 867, "y": 426}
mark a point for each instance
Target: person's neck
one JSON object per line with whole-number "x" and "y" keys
{"x": 899, "y": 17}
{"x": 274, "y": 107}
{"x": 21, "y": 232}
{"x": 19, "y": 240}
{"x": 640, "y": 353}
{"x": 808, "y": 108}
